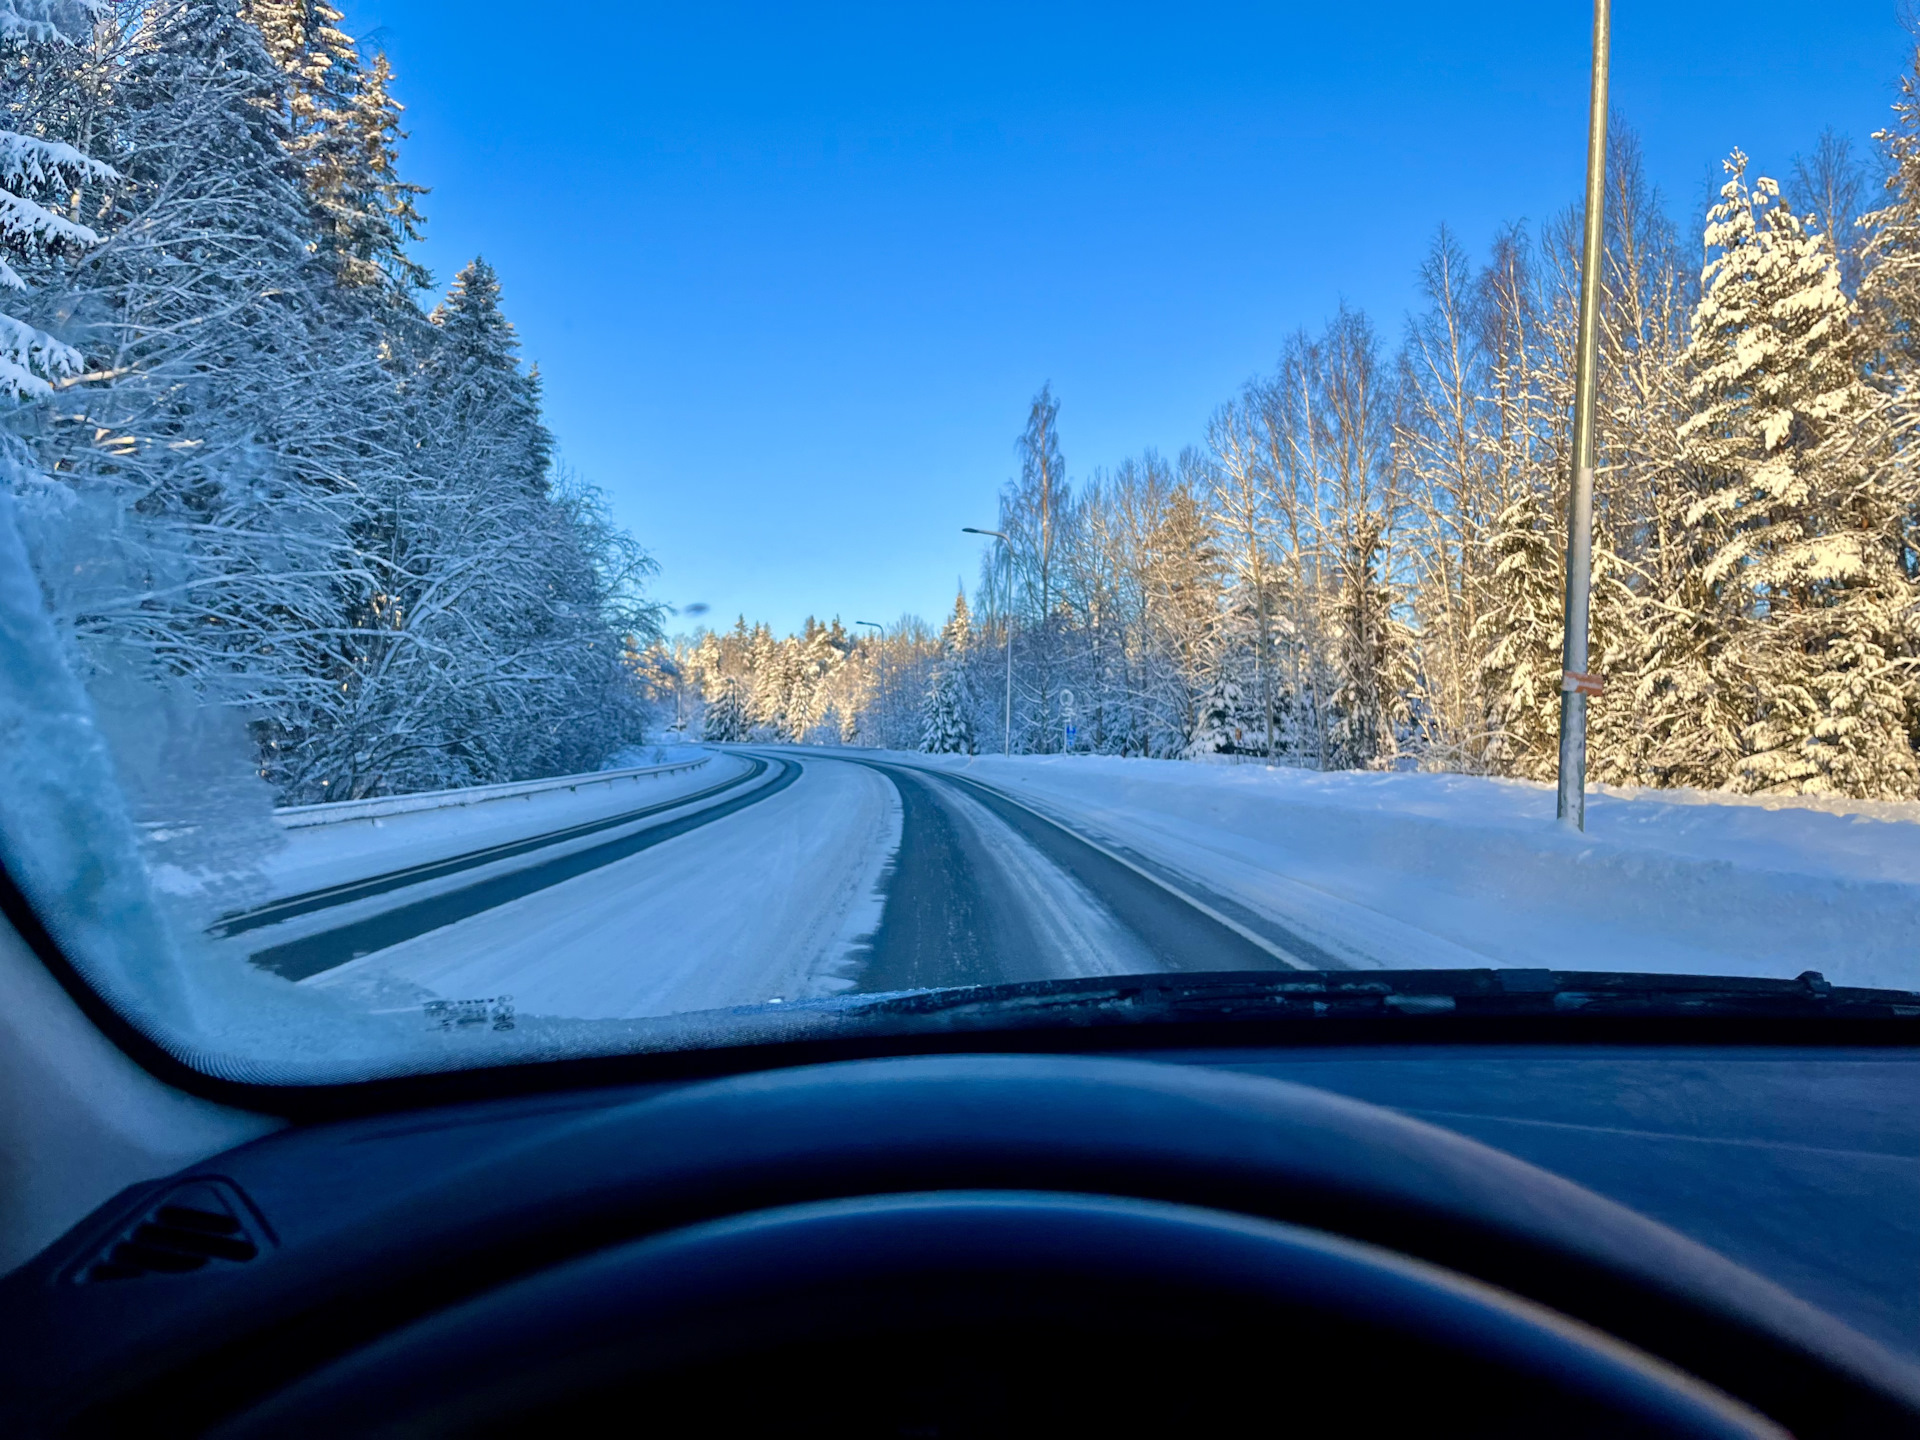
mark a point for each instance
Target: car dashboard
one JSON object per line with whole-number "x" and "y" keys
{"x": 183, "y": 1301}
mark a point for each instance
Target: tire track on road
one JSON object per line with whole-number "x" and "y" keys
{"x": 940, "y": 924}
{"x": 944, "y": 925}
{"x": 292, "y": 906}
{"x": 312, "y": 954}
{"x": 1290, "y": 951}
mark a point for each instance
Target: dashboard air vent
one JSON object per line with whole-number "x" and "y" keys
{"x": 189, "y": 1227}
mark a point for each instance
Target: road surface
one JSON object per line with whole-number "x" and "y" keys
{"x": 813, "y": 874}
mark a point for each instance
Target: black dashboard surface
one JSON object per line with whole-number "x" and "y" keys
{"x": 1801, "y": 1164}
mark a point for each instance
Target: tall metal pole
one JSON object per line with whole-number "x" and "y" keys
{"x": 1007, "y": 550}
{"x": 1575, "y": 683}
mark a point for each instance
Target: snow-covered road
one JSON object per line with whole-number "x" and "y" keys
{"x": 770, "y": 901}
{"x": 984, "y": 890}
{"x": 823, "y": 874}
{"x": 781, "y": 875}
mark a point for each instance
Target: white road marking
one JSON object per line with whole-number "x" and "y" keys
{"x": 1253, "y": 938}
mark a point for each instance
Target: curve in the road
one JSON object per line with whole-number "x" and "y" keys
{"x": 312, "y": 954}
{"x": 944, "y": 926}
{"x": 305, "y": 903}
{"x": 1292, "y": 950}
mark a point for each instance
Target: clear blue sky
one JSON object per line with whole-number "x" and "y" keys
{"x": 793, "y": 271}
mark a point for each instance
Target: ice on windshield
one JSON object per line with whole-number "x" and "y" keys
{"x": 347, "y": 728}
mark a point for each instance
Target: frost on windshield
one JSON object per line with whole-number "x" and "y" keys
{"x": 342, "y": 732}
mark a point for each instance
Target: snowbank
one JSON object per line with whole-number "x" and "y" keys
{"x": 345, "y": 841}
{"x": 665, "y": 752}
{"x": 336, "y": 812}
{"x": 1413, "y": 870}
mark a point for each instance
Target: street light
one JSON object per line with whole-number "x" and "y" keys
{"x": 969, "y": 530}
{"x": 883, "y": 677}
{"x": 1576, "y": 684}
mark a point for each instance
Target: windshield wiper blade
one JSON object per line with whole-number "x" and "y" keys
{"x": 1489, "y": 993}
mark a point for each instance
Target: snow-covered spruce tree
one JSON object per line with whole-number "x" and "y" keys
{"x": 956, "y": 636}
{"x": 344, "y": 129}
{"x": 719, "y": 659}
{"x": 772, "y": 671}
{"x": 819, "y": 652}
{"x": 726, "y": 718}
{"x": 1223, "y": 720}
{"x": 947, "y": 716}
{"x": 1887, "y": 505}
{"x": 1520, "y": 632}
{"x": 40, "y": 176}
{"x": 1644, "y": 484}
{"x": 486, "y": 407}
{"x": 1369, "y": 647}
{"x": 1242, "y": 510}
{"x": 1793, "y": 511}
{"x": 947, "y": 728}
{"x": 1372, "y": 658}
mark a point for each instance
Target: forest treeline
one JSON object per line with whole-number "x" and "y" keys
{"x": 1361, "y": 564}
{"x": 251, "y": 465}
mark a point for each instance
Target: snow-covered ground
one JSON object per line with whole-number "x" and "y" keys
{"x": 779, "y": 898}
{"x": 664, "y": 752}
{"x": 1380, "y": 870}
{"x": 1450, "y": 870}
{"x": 332, "y": 844}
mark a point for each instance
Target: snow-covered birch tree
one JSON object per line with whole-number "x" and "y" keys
{"x": 1792, "y": 510}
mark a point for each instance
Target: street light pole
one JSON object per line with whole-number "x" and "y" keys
{"x": 883, "y": 677}
{"x": 1007, "y": 737}
{"x": 1576, "y": 684}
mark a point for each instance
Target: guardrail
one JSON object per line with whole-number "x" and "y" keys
{"x": 334, "y": 812}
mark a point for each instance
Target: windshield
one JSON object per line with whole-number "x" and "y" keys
{"x": 916, "y": 504}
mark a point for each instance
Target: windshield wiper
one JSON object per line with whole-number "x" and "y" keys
{"x": 1379, "y": 994}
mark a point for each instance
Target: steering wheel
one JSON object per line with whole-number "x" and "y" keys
{"x": 1037, "y": 1245}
